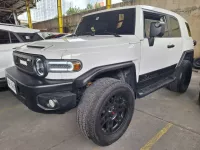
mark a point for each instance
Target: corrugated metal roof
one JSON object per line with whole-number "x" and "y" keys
{"x": 7, "y": 7}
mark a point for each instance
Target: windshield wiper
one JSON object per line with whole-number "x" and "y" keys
{"x": 112, "y": 33}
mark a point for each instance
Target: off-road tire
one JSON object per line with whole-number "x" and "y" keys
{"x": 183, "y": 76}
{"x": 90, "y": 106}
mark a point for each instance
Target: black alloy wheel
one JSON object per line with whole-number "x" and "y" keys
{"x": 113, "y": 114}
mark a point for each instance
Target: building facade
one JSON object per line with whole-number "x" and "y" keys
{"x": 45, "y": 10}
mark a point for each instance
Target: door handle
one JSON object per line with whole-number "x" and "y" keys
{"x": 171, "y": 46}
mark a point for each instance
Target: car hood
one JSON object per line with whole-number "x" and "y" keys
{"x": 56, "y": 48}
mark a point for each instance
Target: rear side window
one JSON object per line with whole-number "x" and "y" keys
{"x": 4, "y": 37}
{"x": 175, "y": 28}
{"x": 188, "y": 28}
{"x": 154, "y": 17}
{"x": 14, "y": 39}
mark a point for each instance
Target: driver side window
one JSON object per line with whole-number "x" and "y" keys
{"x": 154, "y": 17}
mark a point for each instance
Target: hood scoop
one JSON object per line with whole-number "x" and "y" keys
{"x": 34, "y": 46}
{"x": 40, "y": 46}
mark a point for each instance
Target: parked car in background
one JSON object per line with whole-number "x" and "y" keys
{"x": 52, "y": 35}
{"x": 12, "y": 36}
{"x": 114, "y": 57}
{"x": 55, "y": 36}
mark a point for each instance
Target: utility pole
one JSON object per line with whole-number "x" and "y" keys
{"x": 108, "y": 4}
{"x": 29, "y": 14}
{"x": 60, "y": 16}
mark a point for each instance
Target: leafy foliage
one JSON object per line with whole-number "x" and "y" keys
{"x": 75, "y": 10}
{"x": 89, "y": 7}
{"x": 97, "y": 5}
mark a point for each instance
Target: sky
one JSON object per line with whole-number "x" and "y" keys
{"x": 78, "y": 3}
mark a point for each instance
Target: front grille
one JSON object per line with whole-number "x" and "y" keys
{"x": 28, "y": 60}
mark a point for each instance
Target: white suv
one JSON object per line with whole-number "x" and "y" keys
{"x": 114, "y": 57}
{"x": 12, "y": 36}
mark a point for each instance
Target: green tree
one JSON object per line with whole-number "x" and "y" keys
{"x": 73, "y": 10}
{"x": 89, "y": 7}
{"x": 97, "y": 5}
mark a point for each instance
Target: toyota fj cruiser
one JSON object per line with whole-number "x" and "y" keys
{"x": 114, "y": 57}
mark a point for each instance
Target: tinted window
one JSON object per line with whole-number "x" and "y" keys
{"x": 175, "y": 29}
{"x": 153, "y": 17}
{"x": 14, "y": 38}
{"x": 4, "y": 37}
{"x": 29, "y": 37}
{"x": 188, "y": 28}
{"x": 119, "y": 22}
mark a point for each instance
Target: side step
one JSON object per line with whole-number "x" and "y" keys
{"x": 153, "y": 87}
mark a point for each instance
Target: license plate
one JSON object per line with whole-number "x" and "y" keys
{"x": 23, "y": 62}
{"x": 11, "y": 85}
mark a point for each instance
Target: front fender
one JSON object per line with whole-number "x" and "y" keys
{"x": 93, "y": 73}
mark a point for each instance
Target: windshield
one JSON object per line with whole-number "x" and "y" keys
{"x": 30, "y": 37}
{"x": 120, "y": 22}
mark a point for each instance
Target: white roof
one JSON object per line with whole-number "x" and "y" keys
{"x": 17, "y": 29}
{"x": 152, "y": 8}
{"x": 165, "y": 11}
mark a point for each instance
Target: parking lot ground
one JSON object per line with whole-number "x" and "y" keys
{"x": 162, "y": 121}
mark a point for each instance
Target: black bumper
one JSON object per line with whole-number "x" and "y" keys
{"x": 36, "y": 93}
{"x": 3, "y": 82}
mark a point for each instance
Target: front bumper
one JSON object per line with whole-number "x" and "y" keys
{"x": 36, "y": 93}
{"x": 3, "y": 82}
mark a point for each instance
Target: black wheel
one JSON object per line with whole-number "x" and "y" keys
{"x": 183, "y": 77}
{"x": 105, "y": 110}
{"x": 196, "y": 63}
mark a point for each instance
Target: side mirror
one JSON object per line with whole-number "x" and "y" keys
{"x": 157, "y": 29}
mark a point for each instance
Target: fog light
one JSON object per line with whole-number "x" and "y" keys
{"x": 52, "y": 103}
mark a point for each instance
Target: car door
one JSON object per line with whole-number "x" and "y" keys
{"x": 8, "y": 41}
{"x": 156, "y": 59}
{"x": 175, "y": 46}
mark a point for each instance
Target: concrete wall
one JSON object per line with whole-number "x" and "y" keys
{"x": 189, "y": 9}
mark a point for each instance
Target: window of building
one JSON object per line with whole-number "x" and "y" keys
{"x": 154, "y": 17}
{"x": 175, "y": 28}
{"x": 4, "y": 37}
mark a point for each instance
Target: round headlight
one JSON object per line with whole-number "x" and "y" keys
{"x": 39, "y": 67}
